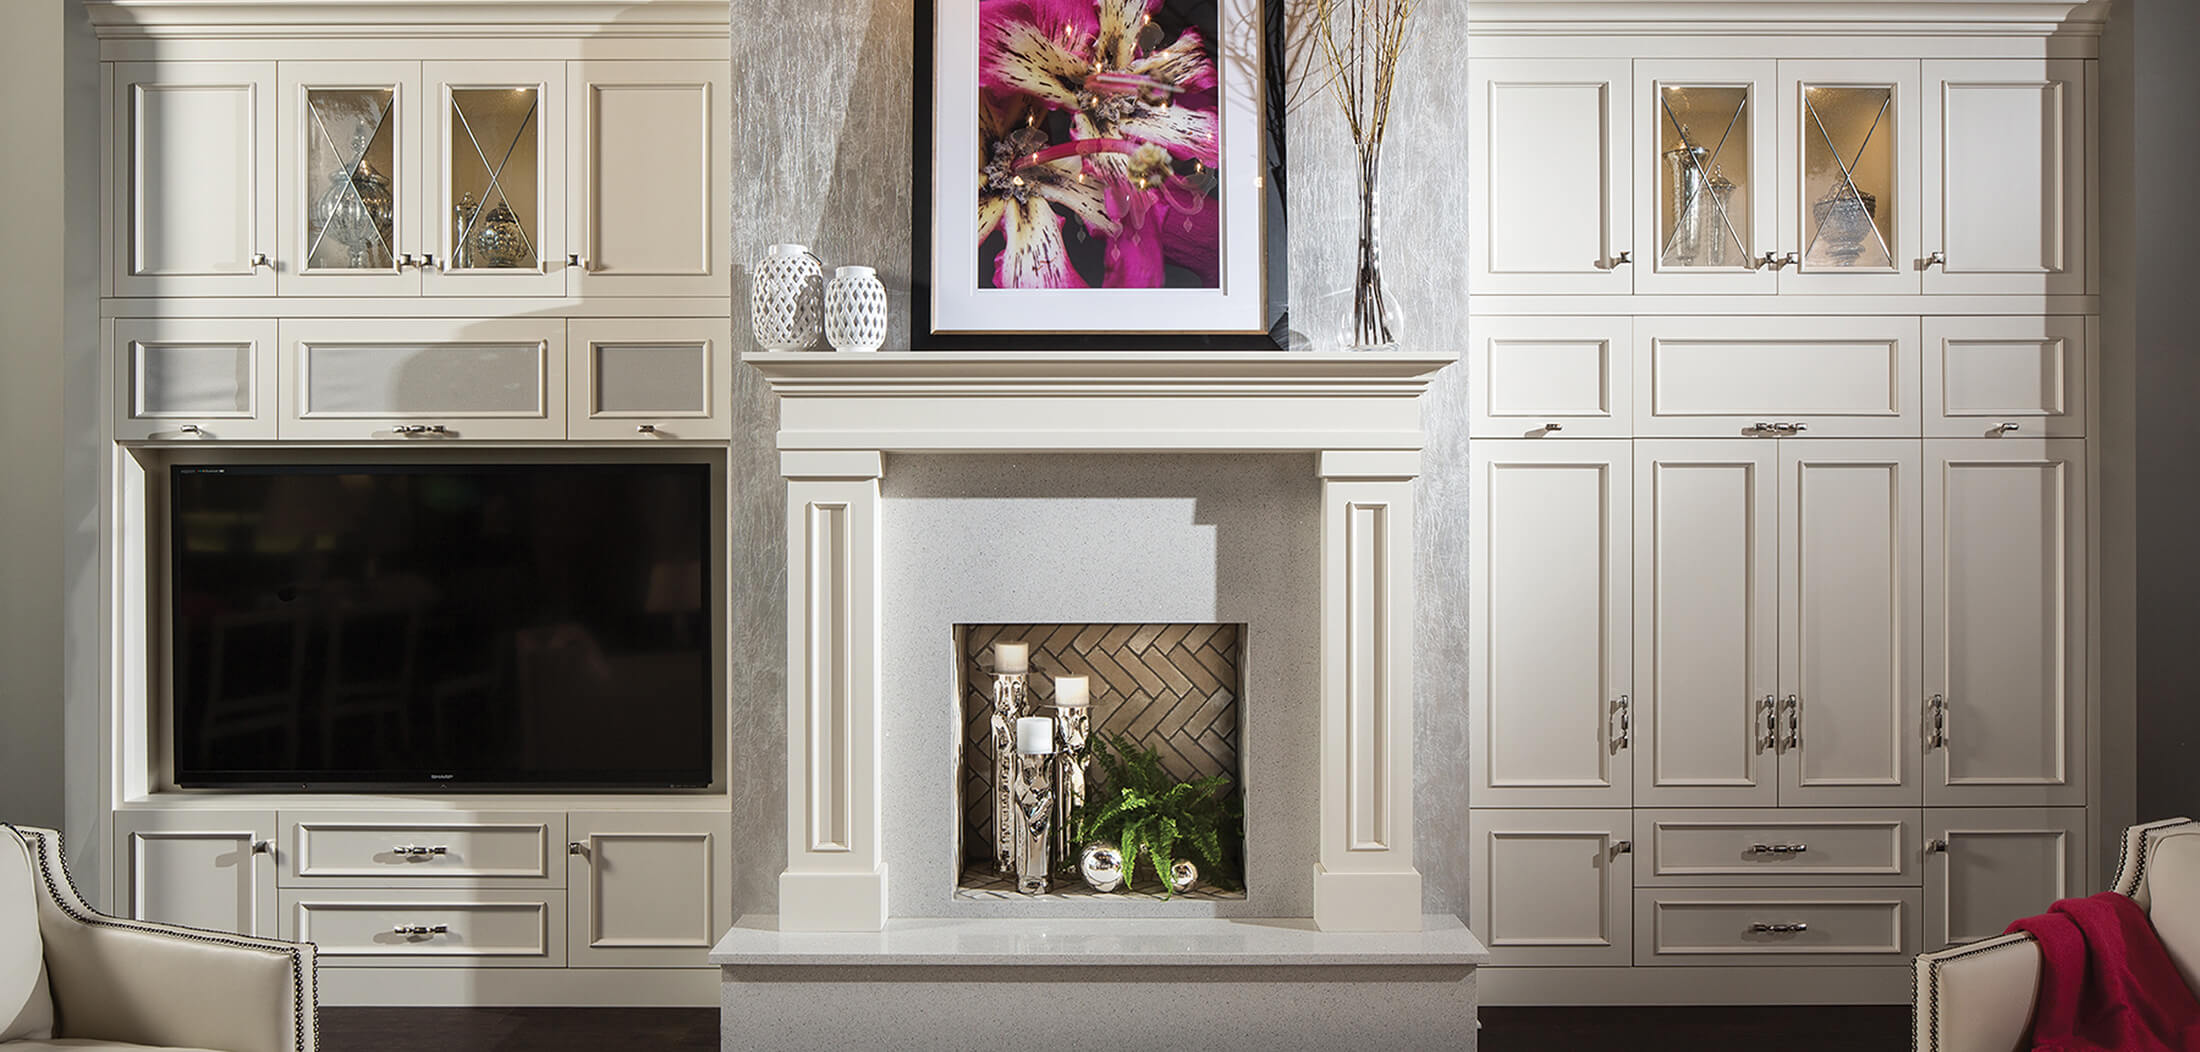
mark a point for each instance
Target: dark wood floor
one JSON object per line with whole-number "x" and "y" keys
{"x": 1649, "y": 1029}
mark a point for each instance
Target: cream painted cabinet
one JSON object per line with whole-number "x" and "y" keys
{"x": 1850, "y": 172}
{"x": 648, "y": 379}
{"x": 2005, "y": 622}
{"x": 1706, "y": 171}
{"x": 647, "y": 888}
{"x": 1765, "y": 376}
{"x": 352, "y": 207}
{"x": 2006, "y": 195}
{"x": 2008, "y": 377}
{"x": 1551, "y": 378}
{"x": 202, "y": 869}
{"x": 649, "y": 183}
{"x": 194, "y": 378}
{"x": 1985, "y": 867}
{"x": 1777, "y": 598}
{"x": 194, "y": 178}
{"x": 423, "y": 380}
{"x": 1551, "y": 647}
{"x": 494, "y": 158}
{"x": 1554, "y": 210}
{"x": 1551, "y": 886}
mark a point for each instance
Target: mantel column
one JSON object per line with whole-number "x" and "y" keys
{"x": 1365, "y": 880}
{"x": 836, "y": 868}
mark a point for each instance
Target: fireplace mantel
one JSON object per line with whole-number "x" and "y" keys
{"x": 1219, "y": 402}
{"x": 840, "y": 414}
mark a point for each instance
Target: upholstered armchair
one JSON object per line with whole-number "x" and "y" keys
{"x": 1978, "y": 997}
{"x": 75, "y": 979}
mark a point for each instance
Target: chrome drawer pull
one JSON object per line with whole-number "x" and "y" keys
{"x": 1778, "y": 849}
{"x": 420, "y": 429}
{"x": 1937, "y": 705}
{"x": 422, "y": 929}
{"x": 1778, "y": 929}
{"x": 1768, "y": 710}
{"x": 419, "y": 851}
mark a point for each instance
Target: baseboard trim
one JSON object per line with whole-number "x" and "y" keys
{"x": 1871, "y": 985}
{"x": 521, "y": 987}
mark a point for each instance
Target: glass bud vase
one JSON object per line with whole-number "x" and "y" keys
{"x": 1371, "y": 320}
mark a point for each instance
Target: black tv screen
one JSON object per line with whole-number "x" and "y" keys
{"x": 471, "y": 626}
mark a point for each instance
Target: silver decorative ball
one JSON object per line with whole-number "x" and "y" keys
{"x": 1183, "y": 876}
{"x": 1101, "y": 865}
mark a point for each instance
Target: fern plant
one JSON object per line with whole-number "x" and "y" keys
{"x": 1150, "y": 815}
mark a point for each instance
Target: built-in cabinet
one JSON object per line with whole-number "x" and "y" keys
{"x": 1779, "y": 389}
{"x": 458, "y": 226}
{"x": 506, "y": 888}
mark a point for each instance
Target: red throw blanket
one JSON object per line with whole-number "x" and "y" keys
{"x": 2106, "y": 984}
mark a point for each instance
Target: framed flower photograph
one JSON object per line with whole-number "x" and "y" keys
{"x": 1099, "y": 174}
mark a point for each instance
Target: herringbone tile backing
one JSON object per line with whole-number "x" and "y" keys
{"x": 1172, "y": 688}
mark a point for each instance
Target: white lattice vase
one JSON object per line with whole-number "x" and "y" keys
{"x": 855, "y": 310}
{"x": 787, "y": 299}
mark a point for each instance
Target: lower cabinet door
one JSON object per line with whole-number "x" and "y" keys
{"x": 1772, "y": 847}
{"x": 1551, "y": 886}
{"x": 213, "y": 870}
{"x": 647, "y": 888}
{"x": 1746, "y": 926}
{"x": 194, "y": 379}
{"x": 366, "y": 927}
{"x": 648, "y": 379}
{"x": 423, "y": 379}
{"x": 1987, "y": 866}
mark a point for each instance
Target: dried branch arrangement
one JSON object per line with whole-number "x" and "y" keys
{"x": 1363, "y": 41}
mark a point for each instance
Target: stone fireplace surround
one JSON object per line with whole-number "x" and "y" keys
{"x": 1357, "y": 414}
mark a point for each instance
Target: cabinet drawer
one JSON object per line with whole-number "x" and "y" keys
{"x": 412, "y": 847}
{"x": 2006, "y": 377}
{"x": 1728, "y": 926}
{"x": 1552, "y": 377}
{"x": 1720, "y": 377}
{"x": 423, "y": 379}
{"x": 647, "y": 379}
{"x": 1776, "y": 847}
{"x": 364, "y": 927}
{"x": 195, "y": 379}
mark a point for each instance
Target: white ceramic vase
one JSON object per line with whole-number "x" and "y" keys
{"x": 787, "y": 299}
{"x": 855, "y": 310}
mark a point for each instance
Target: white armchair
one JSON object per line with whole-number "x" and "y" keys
{"x": 1978, "y": 997}
{"x": 75, "y": 979}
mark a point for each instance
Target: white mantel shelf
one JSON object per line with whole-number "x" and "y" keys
{"x": 1208, "y": 941}
{"x": 1099, "y": 401}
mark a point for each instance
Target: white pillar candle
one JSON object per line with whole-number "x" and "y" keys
{"x": 1035, "y": 736}
{"x": 1011, "y": 658}
{"x": 1072, "y": 692}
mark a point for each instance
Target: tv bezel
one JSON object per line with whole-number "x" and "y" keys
{"x": 164, "y": 541}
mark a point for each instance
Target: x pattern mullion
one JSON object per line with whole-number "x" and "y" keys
{"x": 1848, "y": 168}
{"x": 1703, "y": 176}
{"x": 351, "y": 173}
{"x": 496, "y": 172}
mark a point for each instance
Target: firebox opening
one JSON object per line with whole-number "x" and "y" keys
{"x": 1151, "y": 762}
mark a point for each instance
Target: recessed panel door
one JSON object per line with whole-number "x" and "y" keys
{"x": 2005, "y": 177}
{"x": 1554, "y": 212}
{"x": 1551, "y": 886}
{"x": 195, "y": 208}
{"x": 1850, "y": 636}
{"x": 649, "y": 187}
{"x": 1551, "y": 647}
{"x": 213, "y": 870}
{"x": 647, "y": 888}
{"x": 2005, "y": 622}
{"x": 1706, "y": 622}
{"x": 1985, "y": 867}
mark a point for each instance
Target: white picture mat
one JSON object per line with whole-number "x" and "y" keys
{"x": 960, "y": 306}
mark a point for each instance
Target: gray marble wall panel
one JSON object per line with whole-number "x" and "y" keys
{"x": 822, "y": 96}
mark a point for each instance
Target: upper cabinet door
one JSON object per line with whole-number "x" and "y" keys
{"x": 195, "y": 208}
{"x": 1551, "y": 640}
{"x": 1850, "y": 532}
{"x": 650, "y": 183}
{"x": 495, "y": 156}
{"x": 1551, "y": 210}
{"x": 1705, "y": 203}
{"x": 1849, "y": 176}
{"x": 351, "y": 209}
{"x": 2005, "y": 177}
{"x": 2005, "y": 622}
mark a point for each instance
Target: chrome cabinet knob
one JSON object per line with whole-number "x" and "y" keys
{"x": 575, "y": 847}
{"x": 575, "y": 259}
{"x": 258, "y": 260}
{"x": 1622, "y": 259}
{"x": 1623, "y": 847}
{"x": 1936, "y": 259}
{"x": 1776, "y": 260}
{"x": 2006, "y": 427}
{"x": 1938, "y": 847}
{"x": 263, "y": 847}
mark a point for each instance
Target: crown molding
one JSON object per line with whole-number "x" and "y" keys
{"x": 502, "y": 19}
{"x": 1787, "y": 17}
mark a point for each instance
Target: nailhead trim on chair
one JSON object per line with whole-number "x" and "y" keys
{"x": 1932, "y": 1005}
{"x": 70, "y": 902}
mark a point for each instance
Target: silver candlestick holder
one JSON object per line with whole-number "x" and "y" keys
{"x": 1009, "y": 695}
{"x": 1035, "y": 798}
{"x": 1073, "y": 731}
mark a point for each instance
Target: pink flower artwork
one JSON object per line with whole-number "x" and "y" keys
{"x": 1098, "y": 145}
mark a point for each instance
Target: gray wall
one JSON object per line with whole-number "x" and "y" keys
{"x": 822, "y": 96}
{"x": 2160, "y": 275}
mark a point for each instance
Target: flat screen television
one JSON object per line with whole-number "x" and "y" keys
{"x": 456, "y": 626}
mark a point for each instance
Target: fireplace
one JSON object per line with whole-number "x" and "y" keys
{"x": 860, "y": 627}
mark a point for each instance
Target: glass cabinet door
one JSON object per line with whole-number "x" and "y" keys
{"x": 500, "y": 175}
{"x": 1849, "y": 176}
{"x": 1706, "y": 144}
{"x": 351, "y": 176}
